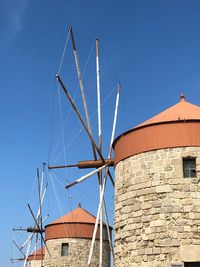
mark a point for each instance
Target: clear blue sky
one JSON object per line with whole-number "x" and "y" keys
{"x": 152, "y": 47}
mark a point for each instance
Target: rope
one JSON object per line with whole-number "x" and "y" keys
{"x": 57, "y": 200}
{"x": 52, "y": 119}
{"x": 68, "y": 144}
{"x": 63, "y": 54}
{"x": 76, "y": 188}
{"x": 109, "y": 63}
{"x": 24, "y": 208}
{"x": 76, "y": 93}
{"x": 81, "y": 129}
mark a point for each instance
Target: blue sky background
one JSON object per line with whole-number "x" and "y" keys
{"x": 152, "y": 47}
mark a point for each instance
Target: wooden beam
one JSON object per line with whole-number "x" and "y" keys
{"x": 86, "y": 164}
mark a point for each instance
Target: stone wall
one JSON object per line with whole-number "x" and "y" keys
{"x": 34, "y": 263}
{"x": 78, "y": 253}
{"x": 157, "y": 211}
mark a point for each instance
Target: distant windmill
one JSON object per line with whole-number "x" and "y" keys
{"x": 37, "y": 231}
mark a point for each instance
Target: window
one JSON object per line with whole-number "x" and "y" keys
{"x": 65, "y": 249}
{"x": 191, "y": 264}
{"x": 189, "y": 167}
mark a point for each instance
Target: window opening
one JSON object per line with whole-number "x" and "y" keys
{"x": 65, "y": 249}
{"x": 189, "y": 167}
{"x": 192, "y": 264}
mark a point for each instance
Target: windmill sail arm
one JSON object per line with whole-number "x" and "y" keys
{"x": 82, "y": 122}
{"x": 81, "y": 179}
{"x": 86, "y": 164}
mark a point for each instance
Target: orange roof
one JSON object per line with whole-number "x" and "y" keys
{"x": 180, "y": 112}
{"x": 37, "y": 255}
{"x": 79, "y": 215}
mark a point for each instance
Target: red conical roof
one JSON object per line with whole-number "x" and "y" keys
{"x": 177, "y": 126}
{"x": 37, "y": 255}
{"x": 79, "y": 215}
{"x": 182, "y": 111}
{"x": 78, "y": 223}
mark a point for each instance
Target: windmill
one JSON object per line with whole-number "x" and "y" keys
{"x": 100, "y": 163}
{"x": 36, "y": 232}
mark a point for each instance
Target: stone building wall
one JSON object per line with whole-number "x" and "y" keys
{"x": 78, "y": 253}
{"x": 157, "y": 211}
{"x": 34, "y": 263}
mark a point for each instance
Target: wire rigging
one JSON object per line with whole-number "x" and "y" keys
{"x": 81, "y": 129}
{"x": 75, "y": 96}
{"x": 63, "y": 54}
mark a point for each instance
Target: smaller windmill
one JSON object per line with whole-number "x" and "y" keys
{"x": 35, "y": 232}
{"x": 100, "y": 163}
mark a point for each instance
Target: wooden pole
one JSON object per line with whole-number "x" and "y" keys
{"x": 40, "y": 209}
{"x": 98, "y": 95}
{"x": 108, "y": 232}
{"x": 20, "y": 249}
{"x": 82, "y": 122}
{"x": 105, "y": 178}
{"x": 43, "y": 195}
{"x": 38, "y": 228}
{"x": 27, "y": 252}
{"x": 86, "y": 164}
{"x": 114, "y": 120}
{"x": 78, "y": 69}
{"x": 100, "y": 146}
{"x": 98, "y": 216}
{"x": 84, "y": 177}
{"x": 79, "y": 116}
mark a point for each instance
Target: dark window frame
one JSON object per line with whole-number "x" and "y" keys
{"x": 191, "y": 264}
{"x": 64, "y": 249}
{"x": 189, "y": 167}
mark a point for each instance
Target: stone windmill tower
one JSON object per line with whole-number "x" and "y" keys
{"x": 157, "y": 197}
{"x": 69, "y": 238}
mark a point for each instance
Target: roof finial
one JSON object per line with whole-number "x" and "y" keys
{"x": 182, "y": 97}
{"x": 79, "y": 205}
